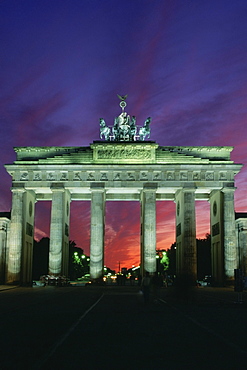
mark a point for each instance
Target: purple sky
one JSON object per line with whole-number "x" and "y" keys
{"x": 63, "y": 62}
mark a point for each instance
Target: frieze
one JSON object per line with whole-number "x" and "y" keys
{"x": 123, "y": 175}
{"x": 104, "y": 176}
{"x": 63, "y": 176}
{"x": 123, "y": 153}
{"x": 183, "y": 176}
{"x": 170, "y": 175}
{"x": 24, "y": 176}
{"x": 37, "y": 176}
{"x": 143, "y": 176}
{"x": 117, "y": 176}
{"x": 157, "y": 176}
{"x": 196, "y": 176}
{"x": 77, "y": 176}
{"x": 209, "y": 176}
{"x": 130, "y": 176}
{"x": 90, "y": 176}
{"x": 51, "y": 176}
{"x": 222, "y": 176}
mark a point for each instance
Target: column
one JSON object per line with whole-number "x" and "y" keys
{"x": 27, "y": 237}
{"x": 57, "y": 230}
{"x": 230, "y": 242}
{"x": 241, "y": 235}
{"x": 15, "y": 241}
{"x": 217, "y": 236}
{"x": 186, "y": 233}
{"x": 66, "y": 225}
{"x": 148, "y": 227}
{"x": 97, "y": 231}
{"x": 4, "y": 224}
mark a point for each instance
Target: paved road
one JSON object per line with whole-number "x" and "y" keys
{"x": 111, "y": 328}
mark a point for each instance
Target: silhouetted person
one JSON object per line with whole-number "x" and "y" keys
{"x": 132, "y": 280}
{"x": 157, "y": 283}
{"x": 139, "y": 279}
{"x": 146, "y": 282}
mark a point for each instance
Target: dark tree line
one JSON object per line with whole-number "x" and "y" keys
{"x": 204, "y": 266}
{"x": 78, "y": 264}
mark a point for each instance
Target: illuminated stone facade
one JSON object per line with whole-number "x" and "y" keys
{"x": 139, "y": 171}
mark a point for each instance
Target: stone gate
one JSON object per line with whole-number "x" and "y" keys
{"x": 139, "y": 171}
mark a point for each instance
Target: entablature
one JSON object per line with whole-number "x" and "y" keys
{"x": 127, "y": 173}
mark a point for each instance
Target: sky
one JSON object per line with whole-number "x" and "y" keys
{"x": 63, "y": 62}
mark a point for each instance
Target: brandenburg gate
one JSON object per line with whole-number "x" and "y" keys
{"x": 123, "y": 165}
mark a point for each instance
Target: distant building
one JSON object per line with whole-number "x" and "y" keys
{"x": 4, "y": 233}
{"x": 241, "y": 232}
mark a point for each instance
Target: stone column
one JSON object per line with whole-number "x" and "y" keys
{"x": 27, "y": 237}
{"x": 57, "y": 230}
{"x": 97, "y": 231}
{"x": 230, "y": 242}
{"x": 217, "y": 236}
{"x": 148, "y": 226}
{"x": 241, "y": 230}
{"x": 186, "y": 233}
{"x": 66, "y": 225}
{"x": 4, "y": 225}
{"x": 15, "y": 240}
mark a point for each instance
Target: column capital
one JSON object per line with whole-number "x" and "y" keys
{"x": 97, "y": 186}
{"x": 150, "y": 186}
{"x": 228, "y": 190}
{"x": 56, "y": 186}
{"x": 18, "y": 187}
{"x": 188, "y": 190}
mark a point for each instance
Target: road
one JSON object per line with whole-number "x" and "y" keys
{"x": 111, "y": 328}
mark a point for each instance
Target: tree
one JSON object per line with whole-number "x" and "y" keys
{"x": 204, "y": 266}
{"x": 162, "y": 261}
{"x": 40, "y": 257}
{"x": 78, "y": 261}
{"x": 171, "y": 255}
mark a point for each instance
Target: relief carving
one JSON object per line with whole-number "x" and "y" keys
{"x": 143, "y": 176}
{"x": 90, "y": 177}
{"x": 183, "y": 176}
{"x": 24, "y": 176}
{"x": 51, "y": 176}
{"x": 77, "y": 176}
{"x": 117, "y": 177}
{"x": 37, "y": 176}
{"x": 64, "y": 176}
{"x": 222, "y": 175}
{"x": 196, "y": 176}
{"x": 209, "y": 176}
{"x": 104, "y": 177}
{"x": 131, "y": 176}
{"x": 157, "y": 176}
{"x": 123, "y": 153}
{"x": 170, "y": 175}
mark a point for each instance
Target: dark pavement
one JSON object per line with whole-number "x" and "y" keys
{"x": 111, "y": 328}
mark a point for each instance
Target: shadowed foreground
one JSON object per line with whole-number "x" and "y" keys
{"x": 111, "y": 327}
